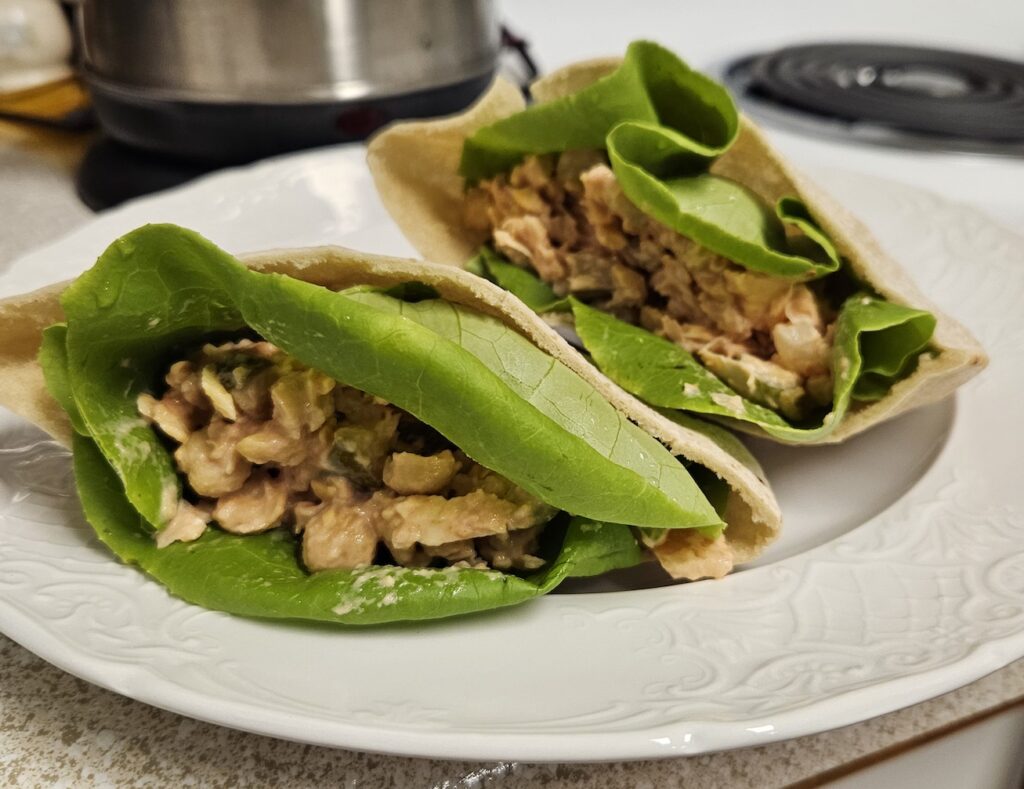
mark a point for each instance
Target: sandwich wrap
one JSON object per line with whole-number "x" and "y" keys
{"x": 459, "y": 357}
{"x": 557, "y": 201}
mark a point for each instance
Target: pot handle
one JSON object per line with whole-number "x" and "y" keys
{"x": 519, "y": 45}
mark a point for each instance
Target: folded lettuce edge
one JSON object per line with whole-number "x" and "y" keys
{"x": 260, "y": 575}
{"x": 380, "y": 348}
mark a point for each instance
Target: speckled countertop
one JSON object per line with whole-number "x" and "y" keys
{"x": 57, "y": 730}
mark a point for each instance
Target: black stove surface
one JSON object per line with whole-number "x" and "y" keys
{"x": 152, "y": 144}
{"x": 111, "y": 173}
{"x": 909, "y": 96}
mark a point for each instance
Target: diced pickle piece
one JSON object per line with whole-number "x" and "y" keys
{"x": 760, "y": 381}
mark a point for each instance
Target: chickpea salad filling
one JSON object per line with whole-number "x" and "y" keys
{"x": 265, "y": 442}
{"x": 565, "y": 217}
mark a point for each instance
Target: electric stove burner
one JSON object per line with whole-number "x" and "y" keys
{"x": 892, "y": 94}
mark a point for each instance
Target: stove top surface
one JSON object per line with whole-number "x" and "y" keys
{"x": 900, "y": 95}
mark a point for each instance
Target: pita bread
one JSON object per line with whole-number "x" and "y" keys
{"x": 415, "y": 167}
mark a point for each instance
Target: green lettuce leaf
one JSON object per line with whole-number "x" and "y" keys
{"x": 651, "y": 85}
{"x": 258, "y": 575}
{"x": 53, "y": 358}
{"x": 875, "y": 344}
{"x": 161, "y": 289}
{"x": 530, "y": 289}
{"x": 721, "y": 436}
{"x": 723, "y": 216}
{"x": 470, "y": 378}
{"x": 550, "y": 388}
{"x": 174, "y": 287}
{"x": 662, "y": 125}
{"x": 150, "y": 290}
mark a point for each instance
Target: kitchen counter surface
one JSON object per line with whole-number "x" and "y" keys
{"x": 56, "y": 730}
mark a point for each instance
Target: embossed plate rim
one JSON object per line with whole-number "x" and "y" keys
{"x": 653, "y": 625}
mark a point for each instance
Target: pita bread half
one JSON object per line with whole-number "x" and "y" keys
{"x": 752, "y": 512}
{"x": 415, "y": 168}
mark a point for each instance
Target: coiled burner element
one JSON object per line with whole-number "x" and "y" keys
{"x": 891, "y": 93}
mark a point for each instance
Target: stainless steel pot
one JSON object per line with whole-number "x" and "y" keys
{"x": 237, "y": 79}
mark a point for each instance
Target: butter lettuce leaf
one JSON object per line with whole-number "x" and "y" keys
{"x": 876, "y": 343}
{"x": 551, "y": 388}
{"x": 651, "y": 85}
{"x": 662, "y": 125}
{"x": 53, "y": 358}
{"x": 258, "y": 575}
{"x": 526, "y": 286}
{"x": 724, "y": 216}
{"x": 162, "y": 287}
{"x": 150, "y": 290}
{"x": 161, "y": 290}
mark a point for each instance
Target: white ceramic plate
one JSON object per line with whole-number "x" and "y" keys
{"x": 900, "y": 574}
